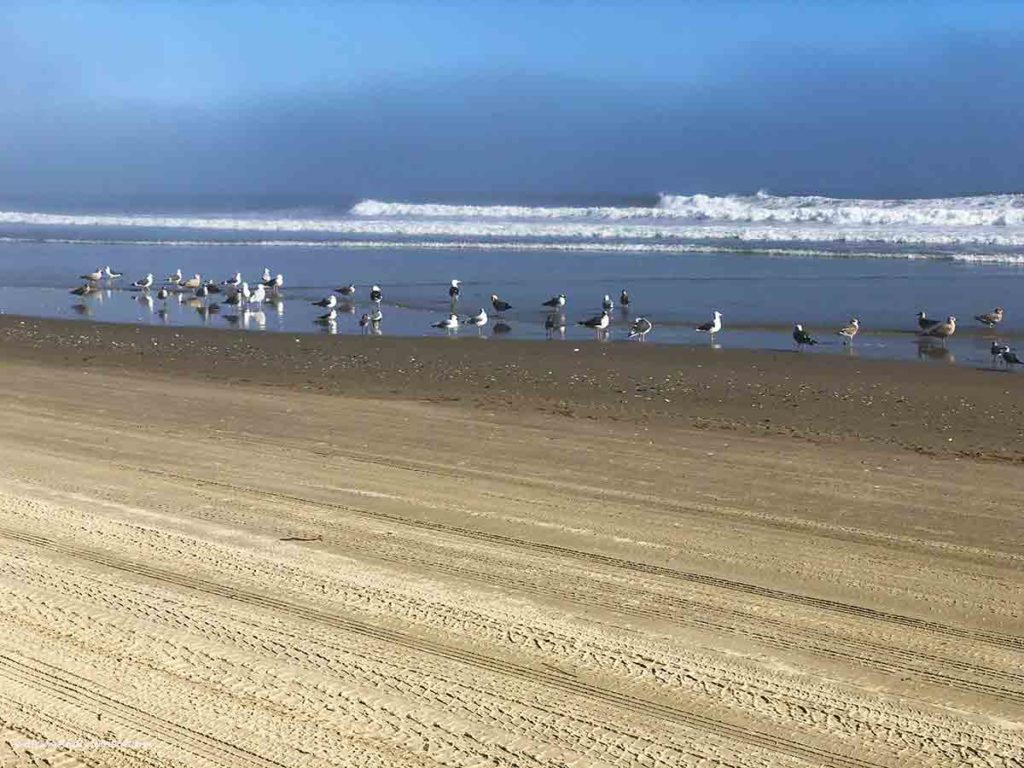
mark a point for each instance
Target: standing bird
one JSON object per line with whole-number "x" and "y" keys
{"x": 94, "y": 276}
{"x": 330, "y": 302}
{"x": 364, "y": 321}
{"x": 202, "y": 291}
{"x": 110, "y": 274}
{"x": 192, "y": 283}
{"x": 1010, "y": 358}
{"x": 266, "y": 275}
{"x": 376, "y": 294}
{"x": 235, "y": 279}
{"x": 555, "y": 302}
{"x": 275, "y": 283}
{"x": 991, "y": 319}
{"x": 924, "y": 322}
{"x": 174, "y": 278}
{"x": 479, "y": 320}
{"x": 941, "y": 330}
{"x": 162, "y": 294}
{"x": 640, "y": 328}
{"x": 607, "y": 304}
{"x": 849, "y": 331}
{"x": 712, "y": 327}
{"x": 499, "y": 305}
{"x": 450, "y": 324}
{"x": 259, "y": 295}
{"x": 453, "y": 291}
{"x": 84, "y": 290}
{"x": 624, "y": 299}
{"x": 346, "y": 290}
{"x": 802, "y": 337}
{"x": 144, "y": 283}
{"x": 598, "y": 323}
{"x": 376, "y": 316}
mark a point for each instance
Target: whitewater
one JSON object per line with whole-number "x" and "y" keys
{"x": 983, "y": 228}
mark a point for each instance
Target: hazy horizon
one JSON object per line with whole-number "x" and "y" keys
{"x": 325, "y": 104}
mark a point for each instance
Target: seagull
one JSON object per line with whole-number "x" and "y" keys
{"x": 997, "y": 350}
{"x": 849, "y": 331}
{"x": 552, "y": 323}
{"x": 174, "y": 278}
{"x": 640, "y": 328}
{"x": 499, "y": 305}
{"x": 624, "y": 299}
{"x": 453, "y": 291}
{"x": 110, "y": 274}
{"x": 598, "y": 322}
{"x": 202, "y": 291}
{"x": 1010, "y": 358}
{"x": 346, "y": 290}
{"x": 275, "y": 283}
{"x": 192, "y": 283}
{"x": 924, "y": 321}
{"x": 712, "y": 327}
{"x": 266, "y": 276}
{"x": 235, "y": 279}
{"x": 144, "y": 283}
{"x": 327, "y": 303}
{"x": 450, "y": 324}
{"x": 991, "y": 319}
{"x": 941, "y": 330}
{"x": 479, "y": 320}
{"x": 376, "y": 294}
{"x": 364, "y": 321}
{"x": 93, "y": 277}
{"x": 802, "y": 337}
{"x": 244, "y": 292}
{"x": 376, "y": 316}
{"x": 607, "y": 304}
{"x": 330, "y": 317}
{"x": 84, "y": 290}
{"x": 259, "y": 295}
{"x": 162, "y": 294}
{"x": 555, "y": 302}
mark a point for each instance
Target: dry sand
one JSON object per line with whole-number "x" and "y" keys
{"x": 243, "y": 550}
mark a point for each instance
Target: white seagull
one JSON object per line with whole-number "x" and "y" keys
{"x": 597, "y": 323}
{"x": 235, "y": 279}
{"x": 376, "y": 294}
{"x": 499, "y": 304}
{"x": 259, "y": 295}
{"x": 640, "y": 328}
{"x": 555, "y": 302}
{"x": 712, "y": 327}
{"x": 174, "y": 278}
{"x": 450, "y": 324}
{"x": 607, "y": 304}
{"x": 479, "y": 320}
{"x": 93, "y": 277}
{"x": 144, "y": 283}
{"x": 346, "y": 290}
{"x": 453, "y": 290}
{"x": 991, "y": 319}
{"x": 192, "y": 283}
{"x": 110, "y": 274}
{"x": 329, "y": 302}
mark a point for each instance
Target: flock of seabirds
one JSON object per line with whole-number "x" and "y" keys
{"x": 237, "y": 292}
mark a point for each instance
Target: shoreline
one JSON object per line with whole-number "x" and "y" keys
{"x": 942, "y": 410}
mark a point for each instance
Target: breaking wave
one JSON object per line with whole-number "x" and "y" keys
{"x": 956, "y": 227}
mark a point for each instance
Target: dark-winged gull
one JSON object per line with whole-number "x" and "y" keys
{"x": 640, "y": 328}
{"x": 555, "y": 302}
{"x": 450, "y": 324}
{"x": 923, "y": 321}
{"x": 499, "y": 304}
{"x": 329, "y": 302}
{"x": 598, "y": 323}
{"x": 624, "y": 298}
{"x": 802, "y": 337}
{"x": 376, "y": 294}
{"x": 346, "y": 290}
{"x": 713, "y": 326}
{"x": 453, "y": 290}
{"x": 607, "y": 304}
{"x": 941, "y": 330}
{"x": 144, "y": 283}
{"x": 479, "y": 320}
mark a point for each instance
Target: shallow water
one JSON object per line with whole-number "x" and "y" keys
{"x": 759, "y": 296}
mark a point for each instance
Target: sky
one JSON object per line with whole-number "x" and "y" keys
{"x": 321, "y": 103}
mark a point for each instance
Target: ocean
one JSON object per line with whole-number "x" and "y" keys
{"x": 764, "y": 261}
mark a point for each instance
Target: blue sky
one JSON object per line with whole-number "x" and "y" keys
{"x": 115, "y": 100}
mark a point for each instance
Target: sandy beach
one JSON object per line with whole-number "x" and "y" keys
{"x": 230, "y": 549}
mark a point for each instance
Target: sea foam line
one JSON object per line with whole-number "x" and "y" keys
{"x": 485, "y": 245}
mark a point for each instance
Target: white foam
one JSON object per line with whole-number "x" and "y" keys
{"x": 960, "y": 226}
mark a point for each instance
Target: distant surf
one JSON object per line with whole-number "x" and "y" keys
{"x": 983, "y": 228}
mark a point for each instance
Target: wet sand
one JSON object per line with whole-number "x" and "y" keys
{"x": 237, "y": 549}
